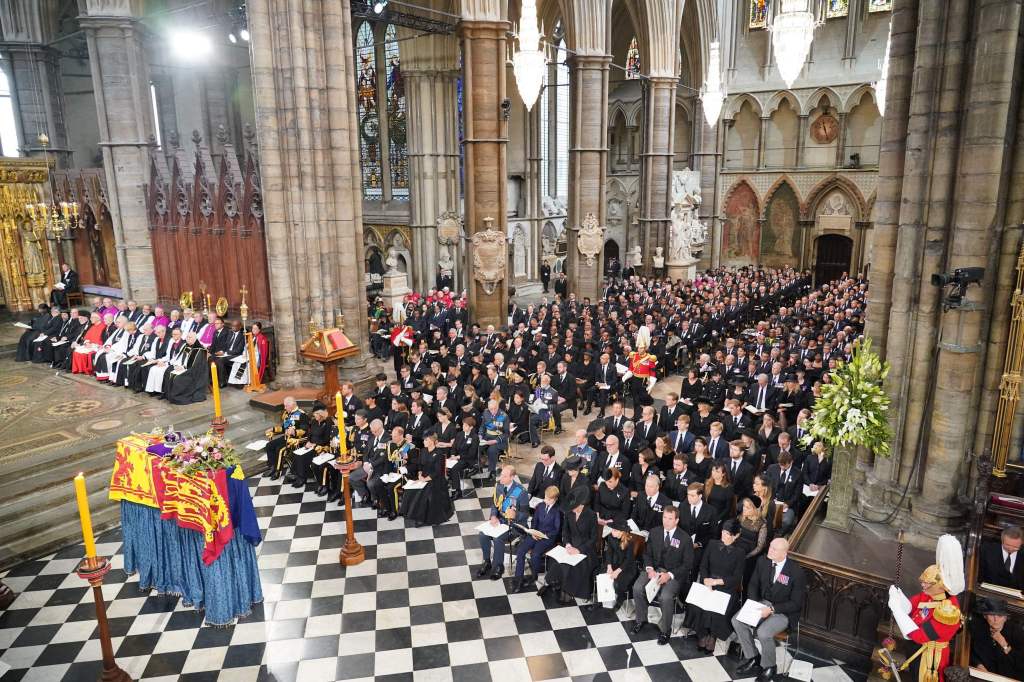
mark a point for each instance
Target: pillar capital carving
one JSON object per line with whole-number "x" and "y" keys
{"x": 587, "y": 26}
{"x": 483, "y": 10}
{"x": 111, "y": 8}
{"x": 426, "y": 54}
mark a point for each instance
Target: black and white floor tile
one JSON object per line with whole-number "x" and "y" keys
{"x": 411, "y": 611}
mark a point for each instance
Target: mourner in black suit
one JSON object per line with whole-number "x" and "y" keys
{"x": 741, "y": 473}
{"x": 779, "y": 584}
{"x": 1001, "y": 562}
{"x": 788, "y": 483}
{"x": 668, "y": 559}
{"x": 648, "y": 506}
{"x": 547, "y": 472}
{"x": 69, "y": 278}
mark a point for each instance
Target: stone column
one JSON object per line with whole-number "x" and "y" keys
{"x": 979, "y": 204}
{"x": 34, "y": 76}
{"x": 762, "y": 139}
{"x": 430, "y": 72}
{"x": 801, "y": 141}
{"x": 657, "y": 25}
{"x": 588, "y": 40}
{"x": 483, "y": 29}
{"x": 120, "y": 76}
{"x": 534, "y": 190}
{"x": 302, "y": 66}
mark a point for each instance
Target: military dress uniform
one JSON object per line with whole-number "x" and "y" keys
{"x": 643, "y": 366}
{"x": 283, "y": 439}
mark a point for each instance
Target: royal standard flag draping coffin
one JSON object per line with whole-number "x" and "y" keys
{"x": 132, "y": 478}
{"x": 199, "y": 503}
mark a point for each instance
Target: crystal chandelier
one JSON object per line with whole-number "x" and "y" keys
{"x": 713, "y": 94}
{"x": 528, "y": 62}
{"x": 883, "y": 80}
{"x": 792, "y": 33}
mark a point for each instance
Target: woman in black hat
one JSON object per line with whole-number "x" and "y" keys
{"x": 572, "y": 479}
{"x": 579, "y": 536}
{"x": 721, "y": 569}
{"x": 996, "y": 646}
{"x": 432, "y": 505}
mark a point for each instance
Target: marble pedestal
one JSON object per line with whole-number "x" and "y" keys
{"x": 396, "y": 286}
{"x": 685, "y": 270}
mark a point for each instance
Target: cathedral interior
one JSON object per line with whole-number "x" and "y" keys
{"x": 308, "y": 164}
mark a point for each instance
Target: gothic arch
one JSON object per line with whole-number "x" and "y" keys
{"x": 777, "y": 99}
{"x": 855, "y": 97}
{"x": 815, "y": 99}
{"x": 783, "y": 179}
{"x": 809, "y": 208}
{"x": 735, "y": 186}
{"x": 734, "y": 104}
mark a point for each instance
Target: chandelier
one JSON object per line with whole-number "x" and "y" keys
{"x": 883, "y": 79}
{"x": 55, "y": 220}
{"x": 792, "y": 33}
{"x": 528, "y": 62}
{"x": 713, "y": 94}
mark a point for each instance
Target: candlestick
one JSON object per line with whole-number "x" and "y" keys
{"x": 216, "y": 389}
{"x": 83, "y": 514}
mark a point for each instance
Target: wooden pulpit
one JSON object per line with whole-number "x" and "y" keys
{"x": 328, "y": 347}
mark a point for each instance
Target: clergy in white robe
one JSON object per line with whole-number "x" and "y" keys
{"x": 113, "y": 347}
{"x": 171, "y": 360}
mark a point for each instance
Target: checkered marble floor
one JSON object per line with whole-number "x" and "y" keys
{"x": 411, "y": 611}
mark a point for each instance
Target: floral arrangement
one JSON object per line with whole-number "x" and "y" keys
{"x": 203, "y": 454}
{"x": 852, "y": 409}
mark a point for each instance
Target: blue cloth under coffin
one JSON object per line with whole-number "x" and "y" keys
{"x": 168, "y": 559}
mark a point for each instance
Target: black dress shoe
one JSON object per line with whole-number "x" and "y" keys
{"x": 269, "y": 473}
{"x": 321, "y": 491}
{"x": 565, "y": 599}
{"x": 542, "y": 590}
{"x": 483, "y": 570}
{"x": 526, "y": 585}
{"x": 299, "y": 484}
{"x": 663, "y": 639}
{"x": 496, "y": 575}
{"x": 289, "y": 478}
{"x": 748, "y": 666}
{"x": 637, "y": 628}
{"x": 336, "y": 495}
{"x": 767, "y": 675}
{"x": 276, "y": 475}
{"x": 392, "y": 516}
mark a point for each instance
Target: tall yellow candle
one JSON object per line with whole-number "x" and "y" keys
{"x": 216, "y": 389}
{"x": 83, "y": 514}
{"x": 340, "y": 413}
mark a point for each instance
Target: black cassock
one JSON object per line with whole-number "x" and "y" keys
{"x": 61, "y": 355}
{"x": 189, "y": 386}
{"x": 138, "y": 373}
{"x": 42, "y": 351}
{"x": 38, "y": 324}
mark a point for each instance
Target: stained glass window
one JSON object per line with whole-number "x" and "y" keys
{"x": 837, "y": 8}
{"x": 367, "y": 114}
{"x": 879, "y": 5}
{"x": 397, "y": 138}
{"x": 633, "y": 60}
{"x": 758, "y": 14}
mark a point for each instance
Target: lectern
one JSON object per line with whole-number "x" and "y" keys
{"x": 328, "y": 347}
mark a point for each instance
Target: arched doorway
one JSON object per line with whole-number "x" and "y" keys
{"x": 833, "y": 257}
{"x": 611, "y": 255}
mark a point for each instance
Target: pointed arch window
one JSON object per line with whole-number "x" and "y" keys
{"x": 367, "y": 113}
{"x": 633, "y": 60}
{"x": 397, "y": 138}
{"x": 10, "y": 141}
